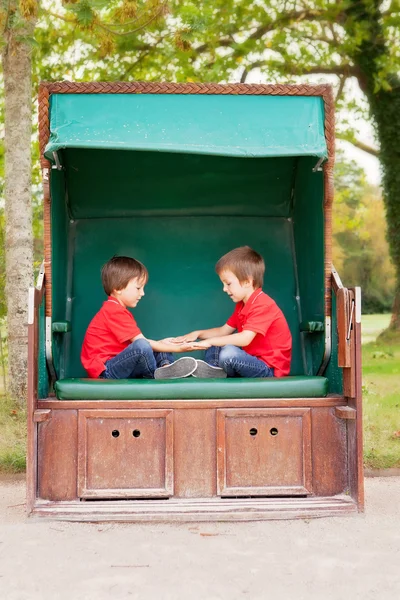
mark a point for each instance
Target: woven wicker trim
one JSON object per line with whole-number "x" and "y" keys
{"x": 139, "y": 87}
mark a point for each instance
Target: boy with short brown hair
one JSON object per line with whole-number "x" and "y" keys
{"x": 262, "y": 344}
{"x": 114, "y": 347}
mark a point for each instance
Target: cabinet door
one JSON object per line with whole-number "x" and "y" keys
{"x": 265, "y": 452}
{"x": 125, "y": 453}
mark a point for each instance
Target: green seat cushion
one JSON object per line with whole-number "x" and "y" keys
{"x": 190, "y": 388}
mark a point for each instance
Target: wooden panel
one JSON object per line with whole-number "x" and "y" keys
{"x": 39, "y": 416}
{"x": 343, "y": 319}
{"x": 57, "y": 456}
{"x": 195, "y": 453}
{"x": 349, "y": 373}
{"x": 355, "y": 429}
{"x": 336, "y": 281}
{"x": 125, "y": 454}
{"x": 202, "y": 510}
{"x": 189, "y": 404}
{"x": 264, "y": 452}
{"x": 345, "y": 412}
{"x": 329, "y": 452}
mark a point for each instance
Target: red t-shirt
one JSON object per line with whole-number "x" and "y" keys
{"x": 110, "y": 331}
{"x": 273, "y": 342}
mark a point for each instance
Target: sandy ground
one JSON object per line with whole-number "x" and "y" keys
{"x": 325, "y": 559}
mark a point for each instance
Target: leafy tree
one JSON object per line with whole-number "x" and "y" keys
{"x": 360, "y": 251}
{"x": 284, "y": 40}
{"x": 98, "y": 20}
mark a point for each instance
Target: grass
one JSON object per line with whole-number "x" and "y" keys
{"x": 381, "y": 394}
{"x": 373, "y": 325}
{"x": 12, "y": 437}
{"x": 381, "y": 404}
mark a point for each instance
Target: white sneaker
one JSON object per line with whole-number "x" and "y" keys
{"x": 206, "y": 371}
{"x": 183, "y": 367}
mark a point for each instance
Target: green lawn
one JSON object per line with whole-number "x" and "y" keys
{"x": 373, "y": 325}
{"x": 381, "y": 404}
{"x": 381, "y": 395}
{"x": 12, "y": 437}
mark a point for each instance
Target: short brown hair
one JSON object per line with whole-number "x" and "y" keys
{"x": 245, "y": 263}
{"x": 119, "y": 270}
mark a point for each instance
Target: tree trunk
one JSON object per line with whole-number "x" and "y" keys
{"x": 395, "y": 321}
{"x": 385, "y": 110}
{"x": 16, "y": 59}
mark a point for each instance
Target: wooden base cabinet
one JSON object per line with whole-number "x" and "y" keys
{"x": 192, "y": 461}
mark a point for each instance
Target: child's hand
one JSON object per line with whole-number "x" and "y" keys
{"x": 178, "y": 347}
{"x": 189, "y": 337}
{"x": 203, "y": 345}
{"x": 168, "y": 340}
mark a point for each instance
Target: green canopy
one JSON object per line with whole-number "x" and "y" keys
{"x": 242, "y": 125}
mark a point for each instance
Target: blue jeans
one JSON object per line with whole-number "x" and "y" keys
{"x": 136, "y": 361}
{"x": 236, "y": 362}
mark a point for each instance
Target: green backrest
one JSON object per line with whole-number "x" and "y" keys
{"x": 178, "y": 214}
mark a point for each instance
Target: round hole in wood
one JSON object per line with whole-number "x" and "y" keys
{"x": 115, "y": 433}
{"x": 136, "y": 433}
{"x": 253, "y": 431}
{"x": 273, "y": 431}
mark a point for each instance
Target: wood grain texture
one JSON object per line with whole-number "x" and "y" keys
{"x": 329, "y": 453}
{"x": 345, "y": 412}
{"x": 264, "y": 452}
{"x": 343, "y": 321}
{"x": 57, "y": 456}
{"x": 349, "y": 373}
{"x": 195, "y": 453}
{"x": 333, "y": 400}
{"x": 216, "y": 509}
{"x": 125, "y": 454}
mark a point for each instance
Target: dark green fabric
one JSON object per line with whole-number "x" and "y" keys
{"x": 190, "y": 388}
{"x": 183, "y": 292}
{"x": 113, "y": 184}
{"x": 179, "y": 214}
{"x": 333, "y": 372}
{"x": 308, "y": 257}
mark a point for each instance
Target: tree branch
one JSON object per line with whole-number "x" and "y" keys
{"x": 343, "y": 70}
{"x": 246, "y": 71}
{"x": 282, "y": 21}
{"x": 132, "y": 31}
{"x": 358, "y": 144}
{"x": 341, "y": 86}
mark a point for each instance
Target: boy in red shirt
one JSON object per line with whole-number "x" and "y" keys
{"x": 114, "y": 347}
{"x": 262, "y": 344}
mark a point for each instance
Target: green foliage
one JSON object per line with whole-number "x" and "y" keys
{"x": 84, "y": 13}
{"x": 360, "y": 252}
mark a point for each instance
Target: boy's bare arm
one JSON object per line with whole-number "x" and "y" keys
{"x": 204, "y": 334}
{"x": 244, "y": 338}
{"x": 165, "y": 345}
